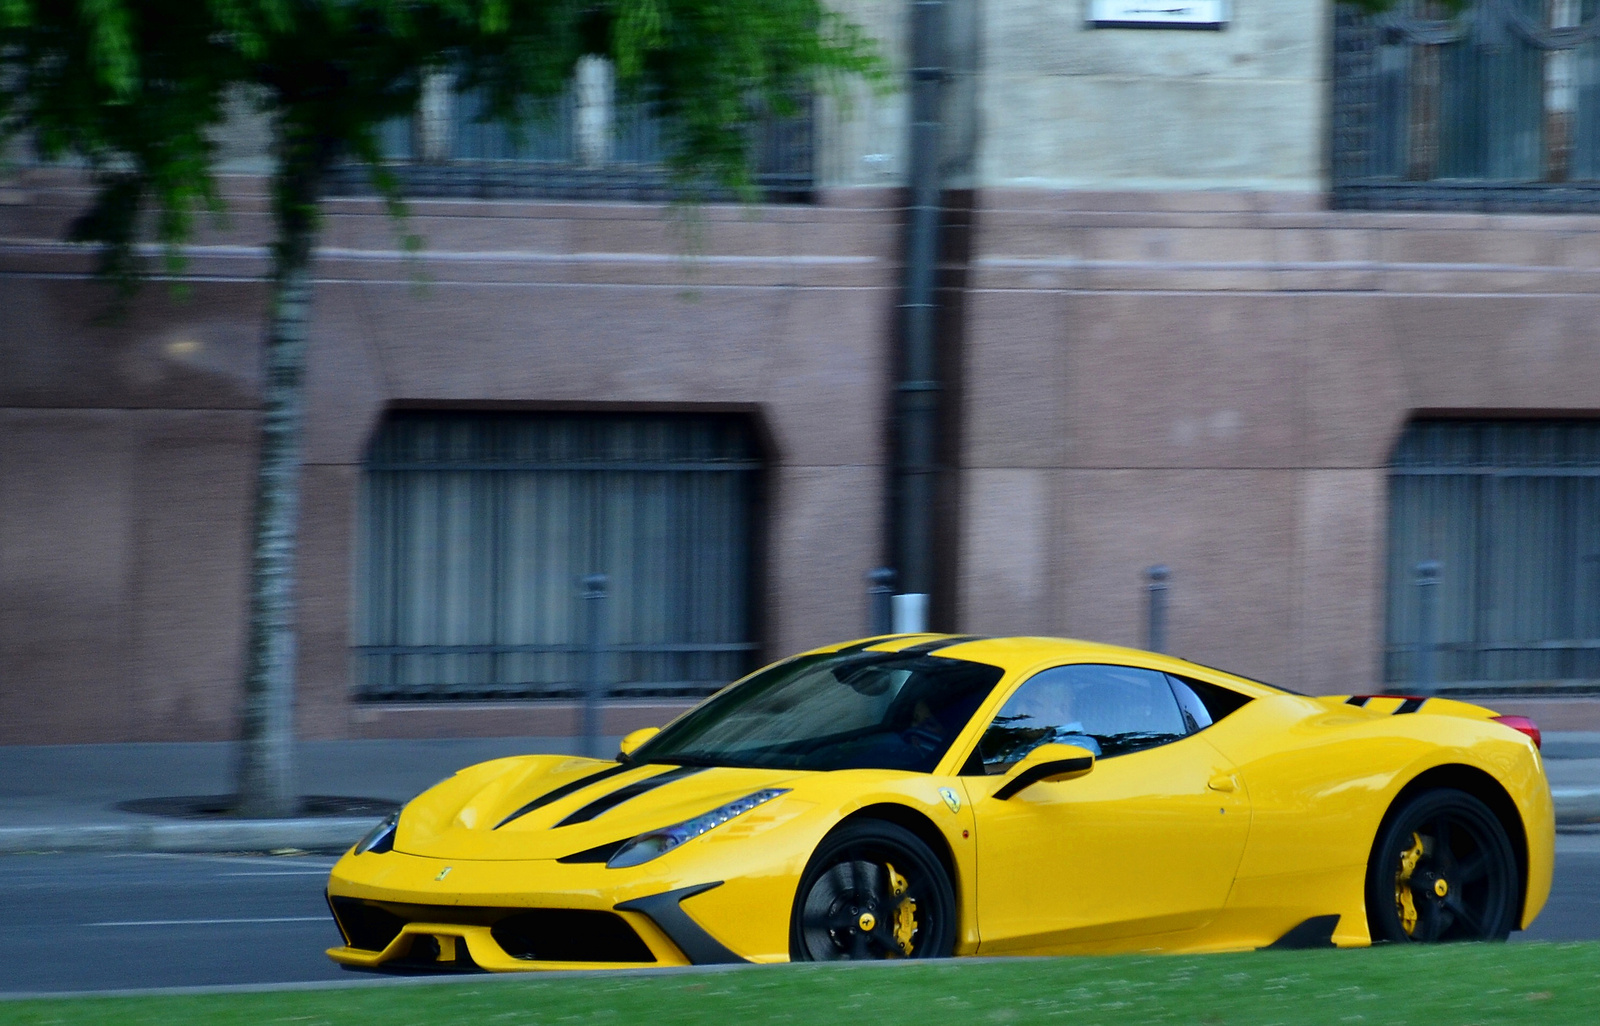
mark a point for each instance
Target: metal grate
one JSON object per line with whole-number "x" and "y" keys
{"x": 477, "y": 528}
{"x": 1494, "y": 108}
{"x": 1509, "y": 511}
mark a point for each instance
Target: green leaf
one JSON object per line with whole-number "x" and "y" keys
{"x": 496, "y": 19}
{"x": 110, "y": 45}
{"x": 638, "y": 30}
{"x": 15, "y": 14}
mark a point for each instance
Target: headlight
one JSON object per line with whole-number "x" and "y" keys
{"x": 658, "y": 842}
{"x": 381, "y": 837}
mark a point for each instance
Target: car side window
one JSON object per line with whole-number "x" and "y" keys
{"x": 1109, "y": 710}
{"x": 1196, "y": 716}
{"x": 1213, "y": 702}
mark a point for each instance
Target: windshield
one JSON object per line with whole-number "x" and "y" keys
{"x": 856, "y": 710}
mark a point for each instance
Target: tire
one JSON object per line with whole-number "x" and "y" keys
{"x": 872, "y": 890}
{"x": 1420, "y": 890}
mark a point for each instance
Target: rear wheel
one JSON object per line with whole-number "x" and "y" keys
{"x": 1442, "y": 870}
{"x": 873, "y": 890}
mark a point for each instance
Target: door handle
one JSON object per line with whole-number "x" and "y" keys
{"x": 1225, "y": 782}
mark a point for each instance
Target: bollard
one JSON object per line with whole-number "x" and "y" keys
{"x": 1156, "y": 624}
{"x": 593, "y": 589}
{"x": 1427, "y": 624}
{"x": 880, "y": 593}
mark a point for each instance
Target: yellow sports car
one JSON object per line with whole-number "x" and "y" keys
{"x": 919, "y": 796}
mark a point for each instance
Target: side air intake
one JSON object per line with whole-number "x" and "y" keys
{"x": 365, "y": 926}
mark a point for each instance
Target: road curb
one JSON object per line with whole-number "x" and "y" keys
{"x": 1576, "y": 804}
{"x": 188, "y": 836}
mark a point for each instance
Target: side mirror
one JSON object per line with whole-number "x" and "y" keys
{"x": 1047, "y": 762}
{"x": 626, "y": 748}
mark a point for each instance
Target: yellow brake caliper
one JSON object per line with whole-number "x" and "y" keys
{"x": 905, "y": 913}
{"x": 1403, "y": 901}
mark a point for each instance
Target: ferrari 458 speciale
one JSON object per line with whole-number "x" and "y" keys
{"x": 920, "y": 796}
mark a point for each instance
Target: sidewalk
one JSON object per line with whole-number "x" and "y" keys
{"x": 65, "y": 798}
{"x": 1572, "y": 761}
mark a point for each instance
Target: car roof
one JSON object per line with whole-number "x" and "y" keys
{"x": 1025, "y": 654}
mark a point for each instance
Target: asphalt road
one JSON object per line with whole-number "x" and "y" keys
{"x": 112, "y": 922}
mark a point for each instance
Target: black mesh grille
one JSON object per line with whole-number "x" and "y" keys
{"x": 570, "y": 935}
{"x": 537, "y": 934}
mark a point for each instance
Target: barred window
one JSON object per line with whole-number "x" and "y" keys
{"x": 1506, "y": 517}
{"x": 589, "y": 142}
{"x": 1494, "y": 107}
{"x": 478, "y": 527}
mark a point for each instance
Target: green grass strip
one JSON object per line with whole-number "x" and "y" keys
{"x": 1549, "y": 984}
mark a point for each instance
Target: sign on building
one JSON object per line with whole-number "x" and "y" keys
{"x": 1190, "y": 14}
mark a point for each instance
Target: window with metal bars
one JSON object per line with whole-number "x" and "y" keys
{"x": 1495, "y": 106}
{"x": 477, "y": 528}
{"x": 587, "y": 143}
{"x": 1494, "y": 557}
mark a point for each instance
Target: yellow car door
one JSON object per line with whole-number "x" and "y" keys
{"x": 1146, "y": 843}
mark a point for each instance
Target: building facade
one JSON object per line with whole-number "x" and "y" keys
{"x": 1264, "y": 304}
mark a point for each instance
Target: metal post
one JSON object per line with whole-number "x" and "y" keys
{"x": 1427, "y": 624}
{"x": 880, "y": 592}
{"x": 909, "y": 613}
{"x": 917, "y": 390}
{"x": 594, "y": 692}
{"x": 1156, "y": 625}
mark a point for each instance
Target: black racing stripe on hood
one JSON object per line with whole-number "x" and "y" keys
{"x": 1357, "y": 700}
{"x": 1410, "y": 705}
{"x": 599, "y": 853}
{"x": 562, "y": 791}
{"x": 632, "y": 790}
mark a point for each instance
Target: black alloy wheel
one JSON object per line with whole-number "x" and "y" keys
{"x": 872, "y": 890}
{"x": 1442, "y": 870}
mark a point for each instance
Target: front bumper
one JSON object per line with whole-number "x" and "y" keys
{"x": 404, "y": 913}
{"x": 649, "y": 931}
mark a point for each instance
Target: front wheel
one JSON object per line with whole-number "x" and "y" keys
{"x": 1442, "y": 870}
{"x": 872, "y": 890}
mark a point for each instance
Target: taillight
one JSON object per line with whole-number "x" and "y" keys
{"x": 1523, "y": 725}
